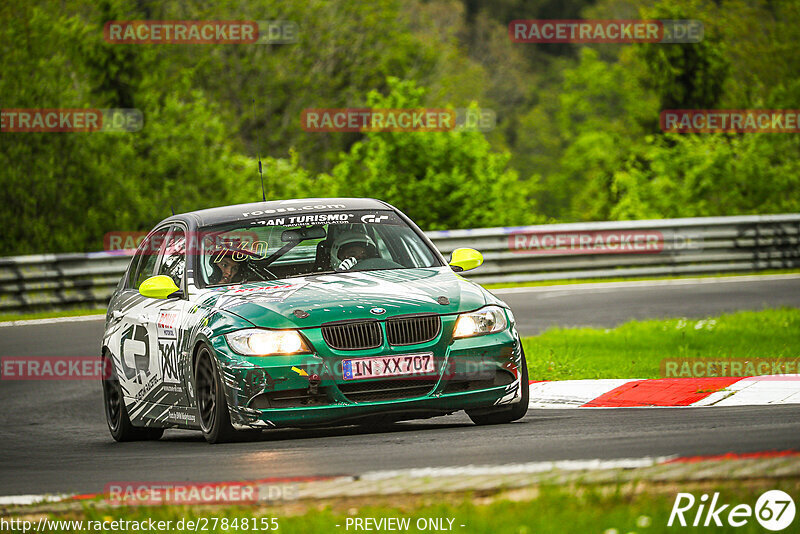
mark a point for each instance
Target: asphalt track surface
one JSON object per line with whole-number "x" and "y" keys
{"x": 53, "y": 436}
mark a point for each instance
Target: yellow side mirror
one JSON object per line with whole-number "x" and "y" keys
{"x": 464, "y": 259}
{"x": 158, "y": 287}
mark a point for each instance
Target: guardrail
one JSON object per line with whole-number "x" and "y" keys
{"x": 700, "y": 245}
{"x": 515, "y": 254}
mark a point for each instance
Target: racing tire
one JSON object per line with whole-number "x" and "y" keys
{"x": 215, "y": 418}
{"x": 506, "y": 414}
{"x": 119, "y": 423}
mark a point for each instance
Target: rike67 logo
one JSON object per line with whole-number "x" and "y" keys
{"x": 774, "y": 510}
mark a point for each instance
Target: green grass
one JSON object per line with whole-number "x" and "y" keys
{"x": 570, "y": 281}
{"x": 635, "y": 349}
{"x": 50, "y": 314}
{"x": 542, "y": 510}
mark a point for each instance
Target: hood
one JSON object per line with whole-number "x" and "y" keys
{"x": 343, "y": 296}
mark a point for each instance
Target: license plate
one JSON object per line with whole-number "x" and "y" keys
{"x": 384, "y": 366}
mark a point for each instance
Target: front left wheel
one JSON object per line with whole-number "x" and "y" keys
{"x": 506, "y": 414}
{"x": 215, "y": 419}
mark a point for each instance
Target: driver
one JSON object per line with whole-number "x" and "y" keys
{"x": 351, "y": 248}
{"x": 230, "y": 269}
{"x": 225, "y": 269}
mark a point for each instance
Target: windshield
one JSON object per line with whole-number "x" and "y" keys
{"x": 271, "y": 248}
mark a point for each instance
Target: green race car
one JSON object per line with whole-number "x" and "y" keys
{"x": 301, "y": 313}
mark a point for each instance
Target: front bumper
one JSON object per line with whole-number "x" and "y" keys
{"x": 399, "y": 410}
{"x": 279, "y": 391}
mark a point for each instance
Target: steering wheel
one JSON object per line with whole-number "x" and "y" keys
{"x": 375, "y": 263}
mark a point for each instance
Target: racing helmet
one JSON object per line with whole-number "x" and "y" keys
{"x": 349, "y": 238}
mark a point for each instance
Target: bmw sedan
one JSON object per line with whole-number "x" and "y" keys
{"x": 301, "y": 313}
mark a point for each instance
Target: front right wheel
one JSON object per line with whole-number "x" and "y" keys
{"x": 215, "y": 419}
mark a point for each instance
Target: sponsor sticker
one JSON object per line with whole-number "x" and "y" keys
{"x": 259, "y": 293}
{"x": 136, "y": 362}
{"x": 167, "y": 323}
{"x": 373, "y": 219}
{"x": 290, "y": 209}
{"x": 181, "y": 416}
{"x": 168, "y": 352}
{"x": 303, "y": 220}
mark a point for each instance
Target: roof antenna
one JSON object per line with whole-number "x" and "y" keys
{"x": 172, "y": 209}
{"x": 258, "y": 142}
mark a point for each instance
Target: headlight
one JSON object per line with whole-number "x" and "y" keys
{"x": 487, "y": 320}
{"x": 257, "y": 342}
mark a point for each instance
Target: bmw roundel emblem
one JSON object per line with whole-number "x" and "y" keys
{"x": 377, "y": 311}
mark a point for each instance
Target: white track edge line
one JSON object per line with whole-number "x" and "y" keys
{"x": 51, "y": 320}
{"x": 645, "y": 283}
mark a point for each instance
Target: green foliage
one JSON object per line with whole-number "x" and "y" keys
{"x": 608, "y": 157}
{"x": 601, "y": 115}
{"x": 63, "y": 192}
{"x": 345, "y": 49}
{"x": 694, "y": 175}
{"x": 704, "y": 175}
{"x": 686, "y": 76}
{"x": 440, "y": 179}
{"x": 577, "y": 134}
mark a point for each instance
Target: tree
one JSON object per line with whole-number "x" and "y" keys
{"x": 441, "y": 180}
